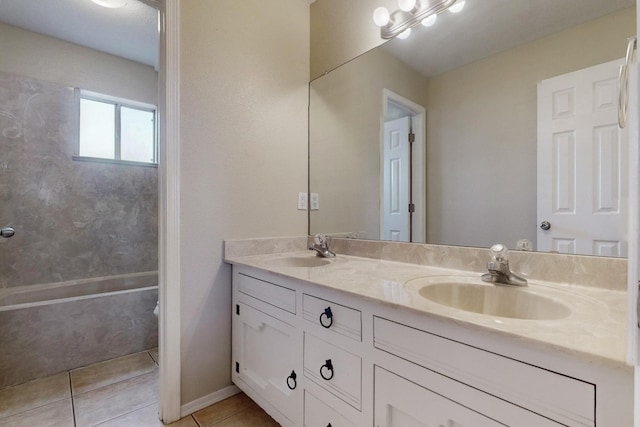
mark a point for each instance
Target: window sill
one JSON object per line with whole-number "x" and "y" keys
{"x": 114, "y": 161}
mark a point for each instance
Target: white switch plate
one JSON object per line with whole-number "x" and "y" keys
{"x": 314, "y": 201}
{"x": 302, "y": 201}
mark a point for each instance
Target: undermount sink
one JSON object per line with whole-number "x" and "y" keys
{"x": 300, "y": 261}
{"x": 493, "y": 300}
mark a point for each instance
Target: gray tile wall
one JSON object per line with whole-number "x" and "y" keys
{"x": 73, "y": 219}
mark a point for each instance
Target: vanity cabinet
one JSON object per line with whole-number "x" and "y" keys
{"x": 318, "y": 357}
{"x": 266, "y": 347}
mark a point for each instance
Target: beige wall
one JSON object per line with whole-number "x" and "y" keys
{"x": 342, "y": 30}
{"x": 481, "y": 132}
{"x": 347, "y": 107}
{"x": 25, "y": 53}
{"x": 244, "y": 70}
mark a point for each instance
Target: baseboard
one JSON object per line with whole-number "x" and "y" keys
{"x": 204, "y": 401}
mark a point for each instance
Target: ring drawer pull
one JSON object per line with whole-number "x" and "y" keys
{"x": 326, "y": 314}
{"x": 292, "y": 378}
{"x": 328, "y": 366}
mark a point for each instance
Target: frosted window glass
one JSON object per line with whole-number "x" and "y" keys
{"x": 136, "y": 135}
{"x": 97, "y": 129}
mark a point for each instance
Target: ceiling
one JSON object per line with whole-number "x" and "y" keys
{"x": 130, "y": 32}
{"x": 486, "y": 27}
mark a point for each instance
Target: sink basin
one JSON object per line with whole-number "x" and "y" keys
{"x": 500, "y": 301}
{"x": 300, "y": 261}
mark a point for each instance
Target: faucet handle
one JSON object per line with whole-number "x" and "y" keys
{"x": 320, "y": 239}
{"x": 500, "y": 253}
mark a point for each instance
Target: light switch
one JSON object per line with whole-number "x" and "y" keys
{"x": 314, "y": 201}
{"x": 302, "y": 201}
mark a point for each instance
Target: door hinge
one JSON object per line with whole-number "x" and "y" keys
{"x": 638, "y": 306}
{"x": 412, "y": 137}
{"x": 237, "y": 367}
{"x": 412, "y": 208}
{"x": 238, "y": 309}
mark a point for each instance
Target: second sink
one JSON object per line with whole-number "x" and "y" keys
{"x": 492, "y": 300}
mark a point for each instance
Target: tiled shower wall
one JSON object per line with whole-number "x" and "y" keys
{"x": 73, "y": 219}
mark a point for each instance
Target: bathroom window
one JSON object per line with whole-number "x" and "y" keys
{"x": 116, "y": 130}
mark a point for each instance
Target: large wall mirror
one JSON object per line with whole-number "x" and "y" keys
{"x": 512, "y": 105}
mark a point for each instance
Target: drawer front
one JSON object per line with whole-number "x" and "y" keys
{"x": 399, "y": 402}
{"x": 333, "y": 317}
{"x": 272, "y": 294}
{"x": 319, "y": 414}
{"x": 334, "y": 369}
{"x": 558, "y": 397}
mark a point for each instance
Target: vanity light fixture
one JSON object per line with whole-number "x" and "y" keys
{"x": 111, "y": 4}
{"x": 457, "y": 7}
{"x": 430, "y": 20}
{"x": 411, "y": 13}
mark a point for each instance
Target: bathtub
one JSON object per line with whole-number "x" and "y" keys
{"x": 50, "y": 328}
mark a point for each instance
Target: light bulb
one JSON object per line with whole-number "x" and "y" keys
{"x": 406, "y": 33}
{"x": 111, "y": 4}
{"x": 406, "y": 5}
{"x": 381, "y": 16}
{"x": 457, "y": 6}
{"x": 429, "y": 20}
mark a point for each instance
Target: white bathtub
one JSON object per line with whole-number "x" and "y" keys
{"x": 54, "y": 327}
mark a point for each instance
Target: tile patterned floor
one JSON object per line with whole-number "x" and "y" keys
{"x": 121, "y": 392}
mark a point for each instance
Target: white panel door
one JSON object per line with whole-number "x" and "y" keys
{"x": 395, "y": 177}
{"x": 582, "y": 164}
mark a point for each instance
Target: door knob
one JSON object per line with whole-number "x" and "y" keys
{"x": 545, "y": 225}
{"x": 7, "y": 232}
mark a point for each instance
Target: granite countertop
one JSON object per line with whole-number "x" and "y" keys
{"x": 595, "y": 329}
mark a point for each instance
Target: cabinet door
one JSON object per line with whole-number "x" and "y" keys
{"x": 401, "y": 403}
{"x": 266, "y": 356}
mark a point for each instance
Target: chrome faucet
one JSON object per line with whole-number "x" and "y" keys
{"x": 499, "y": 272}
{"x": 321, "y": 246}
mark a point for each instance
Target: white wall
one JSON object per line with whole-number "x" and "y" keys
{"x": 243, "y": 88}
{"x": 29, "y": 54}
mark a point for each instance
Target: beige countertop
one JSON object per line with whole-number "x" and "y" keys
{"x": 595, "y": 329}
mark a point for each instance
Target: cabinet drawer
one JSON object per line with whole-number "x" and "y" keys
{"x": 334, "y": 317}
{"x": 319, "y": 414}
{"x": 566, "y": 400}
{"x": 272, "y": 294}
{"x": 401, "y": 402}
{"x": 334, "y": 369}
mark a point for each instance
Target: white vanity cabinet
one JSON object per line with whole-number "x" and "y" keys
{"x": 267, "y": 348}
{"x": 316, "y": 357}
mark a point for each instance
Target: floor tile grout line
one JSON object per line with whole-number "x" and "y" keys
{"x": 127, "y": 413}
{"x": 114, "y": 383}
{"x": 196, "y": 421}
{"x": 31, "y": 408}
{"x": 73, "y": 402}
